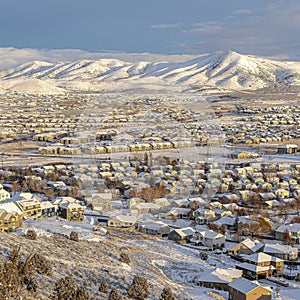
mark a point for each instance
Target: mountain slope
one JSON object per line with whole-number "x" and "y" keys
{"x": 223, "y": 69}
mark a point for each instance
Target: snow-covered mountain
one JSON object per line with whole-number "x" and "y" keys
{"x": 227, "y": 70}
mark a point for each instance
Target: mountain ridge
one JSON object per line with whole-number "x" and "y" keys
{"x": 221, "y": 70}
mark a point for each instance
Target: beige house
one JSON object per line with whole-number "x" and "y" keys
{"x": 287, "y": 149}
{"x": 246, "y": 247}
{"x": 285, "y": 252}
{"x": 291, "y": 230}
{"x": 243, "y": 289}
{"x": 143, "y": 208}
{"x": 218, "y": 278}
{"x": 10, "y": 221}
{"x": 122, "y": 221}
{"x": 101, "y": 201}
{"x": 31, "y": 208}
{"x": 260, "y": 265}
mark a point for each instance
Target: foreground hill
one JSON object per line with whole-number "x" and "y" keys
{"x": 161, "y": 262}
{"x": 226, "y": 70}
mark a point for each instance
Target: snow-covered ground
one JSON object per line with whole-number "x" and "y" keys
{"x": 179, "y": 265}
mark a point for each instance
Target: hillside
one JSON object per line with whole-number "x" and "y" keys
{"x": 92, "y": 262}
{"x": 226, "y": 70}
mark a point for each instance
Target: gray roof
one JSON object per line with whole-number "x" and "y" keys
{"x": 244, "y": 285}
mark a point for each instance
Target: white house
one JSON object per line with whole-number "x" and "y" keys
{"x": 3, "y": 194}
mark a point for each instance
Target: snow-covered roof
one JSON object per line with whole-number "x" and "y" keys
{"x": 70, "y": 205}
{"x": 154, "y": 225}
{"x": 105, "y": 196}
{"x": 219, "y": 275}
{"x": 280, "y": 249}
{"x": 254, "y": 268}
{"x": 290, "y": 228}
{"x": 258, "y": 257}
{"x": 11, "y": 207}
{"x": 46, "y": 204}
{"x": 253, "y": 245}
{"x": 180, "y": 211}
{"x": 245, "y": 286}
{"x": 125, "y": 218}
{"x": 147, "y": 206}
{"x": 226, "y": 220}
{"x": 28, "y": 202}
{"x": 185, "y": 231}
{"x": 210, "y": 234}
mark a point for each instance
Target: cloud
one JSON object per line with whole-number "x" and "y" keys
{"x": 206, "y": 28}
{"x": 270, "y": 30}
{"x": 242, "y": 11}
{"x": 166, "y": 26}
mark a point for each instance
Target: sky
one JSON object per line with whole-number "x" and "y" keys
{"x": 258, "y": 27}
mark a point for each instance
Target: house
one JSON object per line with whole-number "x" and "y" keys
{"x": 10, "y": 221}
{"x": 267, "y": 196}
{"x": 244, "y": 289}
{"x": 271, "y": 203}
{"x": 245, "y": 195}
{"x": 246, "y": 247}
{"x": 163, "y": 202}
{"x": 285, "y": 252}
{"x": 291, "y": 231}
{"x": 181, "y": 213}
{"x": 135, "y": 200}
{"x": 181, "y": 235}
{"x": 204, "y": 215}
{"x": 218, "y": 278}
{"x": 71, "y": 211}
{"x": 31, "y": 208}
{"x": 155, "y": 228}
{"x": 142, "y": 208}
{"x": 282, "y": 193}
{"x": 101, "y": 201}
{"x": 61, "y": 200}
{"x": 208, "y": 238}
{"x": 3, "y": 194}
{"x": 261, "y": 265}
{"x": 287, "y": 149}
{"x": 48, "y": 209}
{"x": 122, "y": 221}
{"x": 226, "y": 222}
{"x": 239, "y": 155}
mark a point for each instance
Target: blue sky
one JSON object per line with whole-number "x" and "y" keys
{"x": 260, "y": 27}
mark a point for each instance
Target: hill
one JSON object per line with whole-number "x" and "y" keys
{"x": 90, "y": 262}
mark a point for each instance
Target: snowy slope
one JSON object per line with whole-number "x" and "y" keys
{"x": 222, "y": 69}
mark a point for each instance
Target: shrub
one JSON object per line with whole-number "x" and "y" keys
{"x": 139, "y": 288}
{"x": 103, "y": 288}
{"x": 17, "y": 276}
{"x": 66, "y": 289}
{"x": 125, "y": 258}
{"x": 167, "y": 294}
{"x": 114, "y": 295}
{"x": 31, "y": 234}
{"x": 31, "y": 283}
{"x": 74, "y": 236}
{"x": 41, "y": 264}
